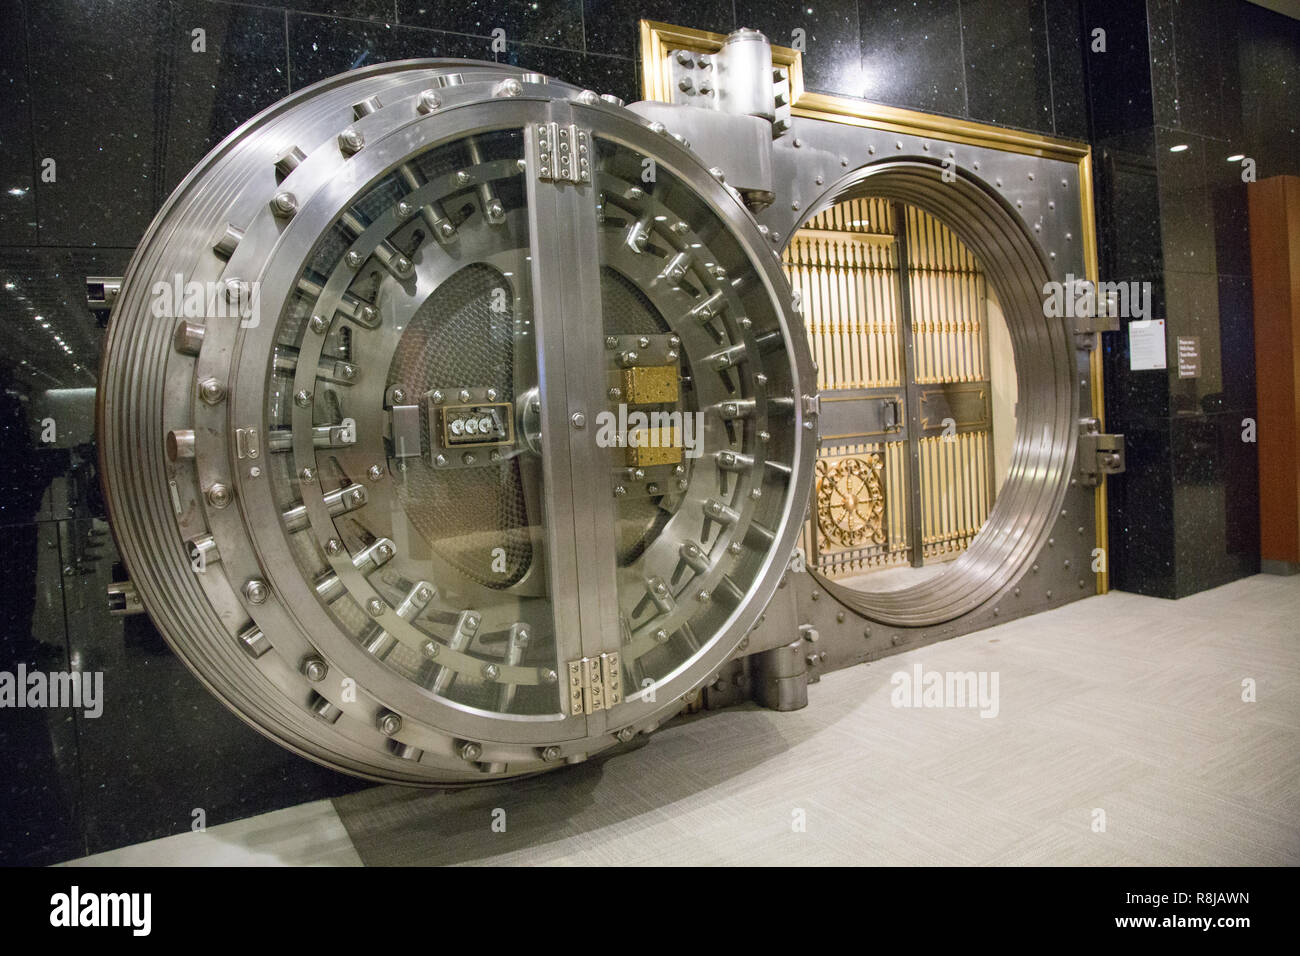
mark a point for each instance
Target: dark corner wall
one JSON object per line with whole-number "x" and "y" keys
{"x": 106, "y": 104}
{"x": 1184, "y": 91}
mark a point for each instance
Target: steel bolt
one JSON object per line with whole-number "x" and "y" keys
{"x": 375, "y": 607}
{"x": 470, "y": 751}
{"x": 256, "y": 591}
{"x": 389, "y": 724}
{"x": 284, "y": 204}
{"x": 219, "y": 495}
{"x": 315, "y": 669}
{"x": 211, "y": 391}
{"x": 351, "y": 141}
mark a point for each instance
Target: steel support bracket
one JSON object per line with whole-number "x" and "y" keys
{"x": 102, "y": 292}
{"x": 1099, "y": 453}
{"x": 123, "y": 599}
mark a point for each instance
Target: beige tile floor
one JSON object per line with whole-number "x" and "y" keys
{"x": 1124, "y": 704}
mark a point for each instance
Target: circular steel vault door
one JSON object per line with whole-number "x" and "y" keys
{"x": 453, "y": 423}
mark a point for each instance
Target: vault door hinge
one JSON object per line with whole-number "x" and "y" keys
{"x": 563, "y": 153}
{"x": 594, "y": 684}
{"x": 1099, "y": 453}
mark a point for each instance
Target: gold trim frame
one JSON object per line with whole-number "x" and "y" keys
{"x": 657, "y": 39}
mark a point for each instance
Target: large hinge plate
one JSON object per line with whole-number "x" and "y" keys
{"x": 1099, "y": 453}
{"x": 563, "y": 153}
{"x": 594, "y": 684}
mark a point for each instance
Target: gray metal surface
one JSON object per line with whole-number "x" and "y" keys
{"x": 286, "y": 548}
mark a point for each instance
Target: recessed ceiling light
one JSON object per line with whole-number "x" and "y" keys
{"x": 1179, "y": 148}
{"x": 16, "y": 191}
{"x": 1236, "y": 157}
{"x": 10, "y": 286}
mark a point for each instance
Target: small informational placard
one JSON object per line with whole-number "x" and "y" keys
{"x": 1146, "y": 345}
{"x": 1189, "y": 356}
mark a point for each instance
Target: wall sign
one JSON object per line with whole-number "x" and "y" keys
{"x": 1189, "y": 356}
{"x": 1146, "y": 345}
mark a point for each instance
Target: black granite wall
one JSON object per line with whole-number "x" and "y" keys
{"x": 115, "y": 93}
{"x": 1182, "y": 87}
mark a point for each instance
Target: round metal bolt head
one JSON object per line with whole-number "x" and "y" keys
{"x": 491, "y": 671}
{"x": 333, "y": 546}
{"x": 626, "y": 734}
{"x": 470, "y": 751}
{"x": 389, "y": 724}
{"x": 428, "y": 101}
{"x": 256, "y": 591}
{"x": 284, "y": 204}
{"x": 315, "y": 669}
{"x": 219, "y": 495}
{"x": 351, "y": 141}
{"x": 550, "y": 753}
{"x": 375, "y": 472}
{"x": 375, "y": 607}
{"x": 211, "y": 391}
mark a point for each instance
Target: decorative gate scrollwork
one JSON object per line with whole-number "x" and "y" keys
{"x": 851, "y": 500}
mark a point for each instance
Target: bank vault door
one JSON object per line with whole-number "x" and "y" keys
{"x": 896, "y": 310}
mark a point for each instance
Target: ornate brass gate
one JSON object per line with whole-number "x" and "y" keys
{"x": 896, "y": 311}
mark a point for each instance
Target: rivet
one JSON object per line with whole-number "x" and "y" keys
{"x": 375, "y": 472}
{"x": 333, "y": 546}
{"x": 302, "y": 398}
{"x": 491, "y": 671}
{"x": 307, "y": 474}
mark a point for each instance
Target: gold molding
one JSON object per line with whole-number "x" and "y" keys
{"x": 657, "y": 39}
